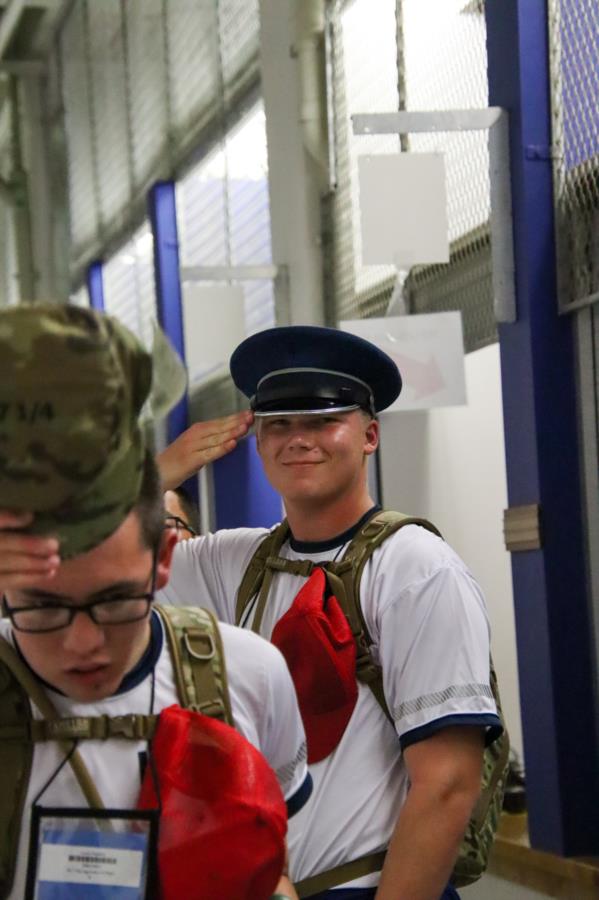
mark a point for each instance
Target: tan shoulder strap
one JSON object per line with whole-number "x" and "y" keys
{"x": 198, "y": 660}
{"x": 371, "y": 535}
{"x": 345, "y": 576}
{"x": 36, "y": 693}
{"x": 254, "y": 575}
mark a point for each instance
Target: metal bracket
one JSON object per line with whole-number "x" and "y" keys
{"x": 229, "y": 273}
{"x": 494, "y": 119}
{"x": 278, "y": 274}
{"x": 522, "y": 528}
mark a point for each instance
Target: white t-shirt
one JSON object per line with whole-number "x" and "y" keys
{"x": 264, "y": 710}
{"x": 427, "y": 618}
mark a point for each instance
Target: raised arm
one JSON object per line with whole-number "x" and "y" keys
{"x": 202, "y": 443}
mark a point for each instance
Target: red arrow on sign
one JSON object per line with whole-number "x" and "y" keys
{"x": 423, "y": 377}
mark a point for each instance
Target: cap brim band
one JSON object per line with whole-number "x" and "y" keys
{"x": 307, "y": 412}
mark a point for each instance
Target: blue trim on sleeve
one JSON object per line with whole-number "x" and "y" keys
{"x": 490, "y": 721}
{"x": 301, "y": 796}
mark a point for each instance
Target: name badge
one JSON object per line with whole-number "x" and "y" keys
{"x": 96, "y": 854}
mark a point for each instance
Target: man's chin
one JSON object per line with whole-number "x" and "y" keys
{"x": 88, "y": 687}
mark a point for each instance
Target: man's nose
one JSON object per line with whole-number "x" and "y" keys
{"x": 301, "y": 437}
{"x": 83, "y": 635}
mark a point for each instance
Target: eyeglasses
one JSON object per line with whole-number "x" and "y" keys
{"x": 54, "y": 616}
{"x": 179, "y": 525}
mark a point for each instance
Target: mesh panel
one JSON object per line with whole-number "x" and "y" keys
{"x": 144, "y": 82}
{"x": 193, "y": 63}
{"x": 146, "y": 71}
{"x": 109, "y": 106}
{"x": 239, "y": 27}
{"x": 80, "y": 141}
{"x": 574, "y": 42}
{"x": 442, "y": 65}
{"x": 224, "y": 220}
{"x": 8, "y": 263}
{"x": 129, "y": 292}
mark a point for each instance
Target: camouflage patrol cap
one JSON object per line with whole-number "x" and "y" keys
{"x": 72, "y": 384}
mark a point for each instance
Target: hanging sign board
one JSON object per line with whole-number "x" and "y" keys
{"x": 429, "y": 352}
{"x": 214, "y": 323}
{"x": 403, "y": 209}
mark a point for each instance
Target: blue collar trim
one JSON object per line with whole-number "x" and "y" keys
{"x": 337, "y": 541}
{"x": 146, "y": 664}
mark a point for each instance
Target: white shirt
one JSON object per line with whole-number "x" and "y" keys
{"x": 264, "y": 710}
{"x": 427, "y": 618}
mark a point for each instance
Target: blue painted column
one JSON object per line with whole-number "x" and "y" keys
{"x": 242, "y": 495}
{"x": 95, "y": 285}
{"x": 163, "y": 217}
{"x": 539, "y": 397}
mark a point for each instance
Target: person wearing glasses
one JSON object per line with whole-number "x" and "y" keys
{"x": 87, "y": 504}
{"x": 182, "y": 513}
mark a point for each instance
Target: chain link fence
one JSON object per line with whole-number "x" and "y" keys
{"x": 574, "y": 48}
{"x": 412, "y": 55}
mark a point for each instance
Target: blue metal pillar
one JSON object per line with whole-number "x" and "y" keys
{"x": 163, "y": 216}
{"x": 242, "y": 495}
{"x": 539, "y": 398}
{"x": 95, "y": 285}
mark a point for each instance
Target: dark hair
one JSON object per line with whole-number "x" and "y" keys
{"x": 189, "y": 507}
{"x": 150, "y": 503}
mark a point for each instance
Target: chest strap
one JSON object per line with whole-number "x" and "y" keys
{"x": 365, "y": 865}
{"x": 83, "y": 728}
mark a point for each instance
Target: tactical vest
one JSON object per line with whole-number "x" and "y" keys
{"x": 198, "y": 661}
{"x": 344, "y": 578}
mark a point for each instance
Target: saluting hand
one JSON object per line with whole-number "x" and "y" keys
{"x": 24, "y": 558}
{"x": 202, "y": 443}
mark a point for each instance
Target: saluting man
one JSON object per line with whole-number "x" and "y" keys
{"x": 409, "y": 784}
{"x": 405, "y": 784}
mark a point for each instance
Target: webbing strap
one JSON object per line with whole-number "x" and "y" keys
{"x": 365, "y": 865}
{"x": 39, "y": 697}
{"x": 254, "y": 574}
{"x": 99, "y": 728}
{"x": 196, "y": 650}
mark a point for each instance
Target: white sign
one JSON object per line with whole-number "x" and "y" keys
{"x": 403, "y": 209}
{"x": 214, "y": 323}
{"x": 72, "y": 864}
{"x": 429, "y": 352}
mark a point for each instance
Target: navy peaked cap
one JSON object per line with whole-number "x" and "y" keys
{"x": 305, "y": 368}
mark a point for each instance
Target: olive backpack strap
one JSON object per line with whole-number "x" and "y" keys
{"x": 345, "y": 577}
{"x": 198, "y": 660}
{"x": 257, "y": 571}
{"x": 474, "y": 850}
{"x": 18, "y": 686}
{"x": 16, "y": 758}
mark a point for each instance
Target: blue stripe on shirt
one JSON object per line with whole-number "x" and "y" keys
{"x": 301, "y": 796}
{"x": 490, "y": 721}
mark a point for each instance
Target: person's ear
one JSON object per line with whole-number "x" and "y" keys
{"x": 371, "y": 437}
{"x": 164, "y": 557}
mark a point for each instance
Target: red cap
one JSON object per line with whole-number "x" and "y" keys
{"x": 224, "y": 819}
{"x": 315, "y": 638}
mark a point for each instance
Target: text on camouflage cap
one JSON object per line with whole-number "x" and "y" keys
{"x": 72, "y": 384}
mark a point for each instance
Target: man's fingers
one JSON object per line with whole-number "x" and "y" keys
{"x": 26, "y": 545}
{"x": 201, "y": 443}
{"x": 9, "y": 519}
{"x": 20, "y": 565}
